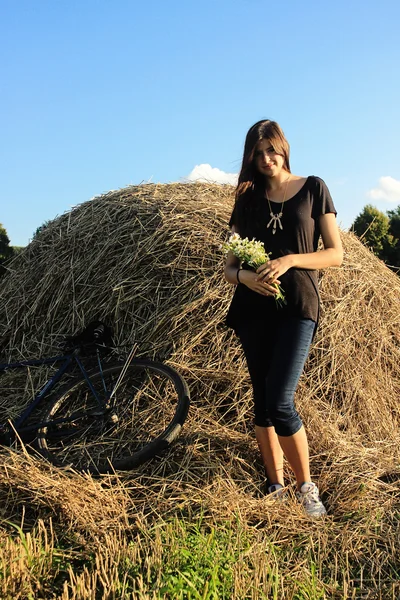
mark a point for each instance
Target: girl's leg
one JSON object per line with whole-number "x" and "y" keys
{"x": 271, "y": 453}
{"x": 258, "y": 354}
{"x": 295, "y": 448}
{"x": 276, "y": 360}
{"x": 290, "y": 354}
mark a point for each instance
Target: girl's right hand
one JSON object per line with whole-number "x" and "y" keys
{"x": 249, "y": 278}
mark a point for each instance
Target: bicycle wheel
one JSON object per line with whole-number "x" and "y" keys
{"x": 148, "y": 406}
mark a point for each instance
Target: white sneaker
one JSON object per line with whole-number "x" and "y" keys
{"x": 277, "y": 491}
{"x": 309, "y": 498}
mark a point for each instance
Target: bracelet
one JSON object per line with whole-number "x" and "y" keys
{"x": 237, "y": 275}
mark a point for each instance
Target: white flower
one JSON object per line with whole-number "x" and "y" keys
{"x": 251, "y": 252}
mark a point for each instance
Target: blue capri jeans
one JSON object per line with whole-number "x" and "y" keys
{"x": 276, "y": 353}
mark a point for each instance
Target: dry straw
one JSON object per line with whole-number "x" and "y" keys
{"x": 147, "y": 260}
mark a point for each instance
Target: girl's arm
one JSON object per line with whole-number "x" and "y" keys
{"x": 232, "y": 264}
{"x": 331, "y": 256}
{"x": 231, "y": 267}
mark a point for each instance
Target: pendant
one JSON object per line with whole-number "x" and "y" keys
{"x": 274, "y": 220}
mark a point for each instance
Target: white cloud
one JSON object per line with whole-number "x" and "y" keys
{"x": 388, "y": 190}
{"x": 211, "y": 174}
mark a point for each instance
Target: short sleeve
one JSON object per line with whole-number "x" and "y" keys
{"x": 323, "y": 202}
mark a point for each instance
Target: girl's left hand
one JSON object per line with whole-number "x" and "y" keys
{"x": 273, "y": 269}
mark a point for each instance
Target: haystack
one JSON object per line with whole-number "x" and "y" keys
{"x": 147, "y": 260}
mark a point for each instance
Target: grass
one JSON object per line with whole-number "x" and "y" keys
{"x": 174, "y": 559}
{"x": 183, "y": 559}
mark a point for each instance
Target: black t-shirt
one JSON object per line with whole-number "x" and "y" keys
{"x": 300, "y": 234}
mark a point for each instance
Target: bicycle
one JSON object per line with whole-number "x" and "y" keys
{"x": 113, "y": 417}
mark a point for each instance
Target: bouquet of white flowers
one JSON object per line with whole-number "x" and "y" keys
{"x": 252, "y": 253}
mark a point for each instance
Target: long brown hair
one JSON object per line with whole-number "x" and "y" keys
{"x": 249, "y": 177}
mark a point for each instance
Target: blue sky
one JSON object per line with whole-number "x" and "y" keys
{"x": 97, "y": 95}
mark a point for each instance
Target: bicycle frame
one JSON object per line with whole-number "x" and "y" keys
{"x": 67, "y": 360}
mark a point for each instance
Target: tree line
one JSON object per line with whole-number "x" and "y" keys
{"x": 381, "y": 232}
{"x": 6, "y": 251}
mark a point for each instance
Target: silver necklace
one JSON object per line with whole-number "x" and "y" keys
{"x": 276, "y": 218}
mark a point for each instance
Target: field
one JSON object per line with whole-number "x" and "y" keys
{"x": 194, "y": 523}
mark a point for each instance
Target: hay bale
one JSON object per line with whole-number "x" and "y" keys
{"x": 147, "y": 260}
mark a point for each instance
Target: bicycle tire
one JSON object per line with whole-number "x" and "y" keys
{"x": 93, "y": 442}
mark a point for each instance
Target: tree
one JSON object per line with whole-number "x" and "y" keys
{"x": 372, "y": 226}
{"x": 394, "y": 222}
{"x": 394, "y": 231}
{"x": 381, "y": 232}
{"x": 41, "y": 227}
{"x": 6, "y": 251}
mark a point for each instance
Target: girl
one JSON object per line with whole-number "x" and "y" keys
{"x": 288, "y": 213}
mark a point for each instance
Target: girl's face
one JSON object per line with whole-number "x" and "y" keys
{"x": 267, "y": 161}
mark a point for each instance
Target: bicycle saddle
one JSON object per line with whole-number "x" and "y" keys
{"x": 96, "y": 335}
